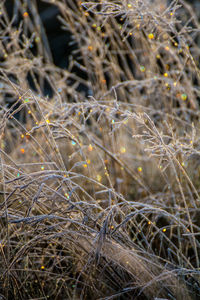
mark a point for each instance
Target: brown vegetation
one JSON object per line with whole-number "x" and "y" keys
{"x": 100, "y": 192}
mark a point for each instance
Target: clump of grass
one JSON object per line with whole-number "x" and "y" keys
{"x": 100, "y": 189}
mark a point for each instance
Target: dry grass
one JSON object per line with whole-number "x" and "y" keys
{"x": 100, "y": 193}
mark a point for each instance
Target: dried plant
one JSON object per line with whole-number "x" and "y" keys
{"x": 100, "y": 155}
